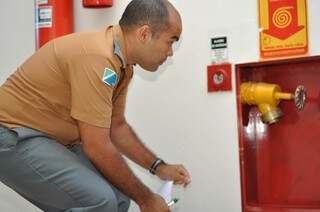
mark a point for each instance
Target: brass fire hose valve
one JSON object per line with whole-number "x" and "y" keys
{"x": 268, "y": 96}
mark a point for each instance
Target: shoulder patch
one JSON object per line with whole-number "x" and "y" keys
{"x": 110, "y": 77}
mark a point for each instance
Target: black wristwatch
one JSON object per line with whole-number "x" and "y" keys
{"x": 155, "y": 165}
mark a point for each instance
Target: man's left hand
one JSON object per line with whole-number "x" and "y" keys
{"x": 177, "y": 173}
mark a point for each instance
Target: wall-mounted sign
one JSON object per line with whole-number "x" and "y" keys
{"x": 284, "y": 30}
{"x": 219, "y": 49}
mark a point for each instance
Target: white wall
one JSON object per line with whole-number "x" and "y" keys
{"x": 171, "y": 109}
{"x": 16, "y": 34}
{"x": 17, "y": 41}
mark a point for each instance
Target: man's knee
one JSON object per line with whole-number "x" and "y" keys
{"x": 123, "y": 203}
{"x": 106, "y": 201}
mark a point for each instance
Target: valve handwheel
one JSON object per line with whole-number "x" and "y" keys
{"x": 300, "y": 97}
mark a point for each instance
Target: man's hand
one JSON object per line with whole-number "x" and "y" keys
{"x": 154, "y": 203}
{"x": 177, "y": 173}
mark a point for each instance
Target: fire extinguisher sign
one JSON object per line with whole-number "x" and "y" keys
{"x": 44, "y": 17}
{"x": 283, "y": 28}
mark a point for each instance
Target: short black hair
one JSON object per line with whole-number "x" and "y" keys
{"x": 155, "y": 13}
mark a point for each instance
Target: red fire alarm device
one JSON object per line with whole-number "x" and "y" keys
{"x": 97, "y": 3}
{"x": 219, "y": 77}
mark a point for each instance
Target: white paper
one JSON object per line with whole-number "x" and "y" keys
{"x": 166, "y": 190}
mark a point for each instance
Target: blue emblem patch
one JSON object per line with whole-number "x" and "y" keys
{"x": 110, "y": 77}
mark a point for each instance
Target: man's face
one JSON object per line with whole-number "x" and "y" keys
{"x": 159, "y": 47}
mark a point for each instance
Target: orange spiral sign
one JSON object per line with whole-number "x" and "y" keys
{"x": 283, "y": 26}
{"x": 282, "y": 17}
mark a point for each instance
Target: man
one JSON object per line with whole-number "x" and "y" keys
{"x": 63, "y": 129}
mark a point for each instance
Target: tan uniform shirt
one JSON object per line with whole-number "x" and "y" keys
{"x": 67, "y": 80}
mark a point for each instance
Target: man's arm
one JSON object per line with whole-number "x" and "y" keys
{"x": 103, "y": 154}
{"x": 125, "y": 139}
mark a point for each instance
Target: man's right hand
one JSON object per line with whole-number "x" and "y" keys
{"x": 154, "y": 203}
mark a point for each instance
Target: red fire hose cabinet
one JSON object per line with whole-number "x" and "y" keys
{"x": 280, "y": 159}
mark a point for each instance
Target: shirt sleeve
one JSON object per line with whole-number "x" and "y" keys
{"x": 91, "y": 98}
{"x": 120, "y": 101}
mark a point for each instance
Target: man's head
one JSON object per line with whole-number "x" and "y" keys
{"x": 151, "y": 27}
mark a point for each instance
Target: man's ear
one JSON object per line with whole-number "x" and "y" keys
{"x": 144, "y": 33}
